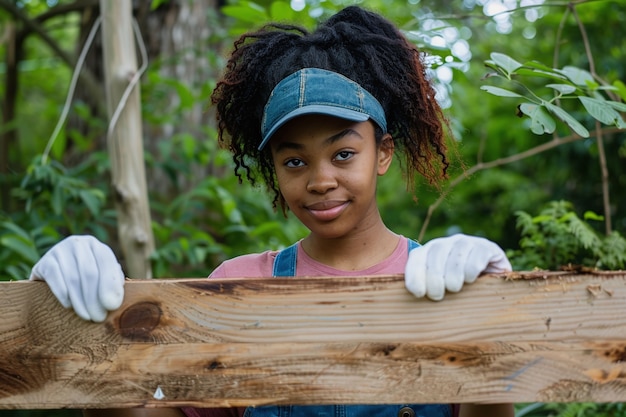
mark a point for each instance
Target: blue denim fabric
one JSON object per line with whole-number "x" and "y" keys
{"x": 318, "y": 91}
{"x": 285, "y": 261}
{"x": 419, "y": 410}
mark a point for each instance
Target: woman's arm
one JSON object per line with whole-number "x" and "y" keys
{"x": 135, "y": 412}
{"x": 486, "y": 410}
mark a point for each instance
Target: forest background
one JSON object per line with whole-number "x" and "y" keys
{"x": 534, "y": 91}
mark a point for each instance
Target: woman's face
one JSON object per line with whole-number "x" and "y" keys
{"x": 327, "y": 169}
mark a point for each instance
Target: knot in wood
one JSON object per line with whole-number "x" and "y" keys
{"x": 139, "y": 320}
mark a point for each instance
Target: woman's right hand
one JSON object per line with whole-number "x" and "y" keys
{"x": 84, "y": 274}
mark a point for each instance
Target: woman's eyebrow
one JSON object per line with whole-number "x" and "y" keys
{"x": 338, "y": 136}
{"x": 288, "y": 145}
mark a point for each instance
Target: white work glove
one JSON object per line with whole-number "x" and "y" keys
{"x": 84, "y": 274}
{"x": 447, "y": 263}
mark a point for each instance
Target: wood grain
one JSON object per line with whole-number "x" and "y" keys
{"x": 317, "y": 340}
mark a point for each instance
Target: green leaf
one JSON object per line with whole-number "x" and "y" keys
{"x": 23, "y": 247}
{"x": 229, "y": 205}
{"x": 590, "y": 215}
{"x": 567, "y": 119}
{"x": 537, "y": 69}
{"x": 156, "y": 3}
{"x": 505, "y": 62}
{"x": 539, "y": 66}
{"x": 621, "y": 89}
{"x": 540, "y": 74}
{"x": 578, "y": 76}
{"x": 541, "y": 122}
{"x": 617, "y": 105}
{"x": 183, "y": 91}
{"x": 247, "y": 12}
{"x": 57, "y": 200}
{"x": 499, "y": 71}
{"x": 59, "y": 145}
{"x": 601, "y": 111}
{"x": 562, "y": 88}
{"x": 281, "y": 11}
{"x": 501, "y": 92}
{"x": 93, "y": 199}
{"x": 18, "y": 231}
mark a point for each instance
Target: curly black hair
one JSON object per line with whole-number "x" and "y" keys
{"x": 355, "y": 42}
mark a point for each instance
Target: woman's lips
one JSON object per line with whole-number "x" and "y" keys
{"x": 327, "y": 210}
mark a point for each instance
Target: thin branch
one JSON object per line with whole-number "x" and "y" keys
{"x": 133, "y": 82}
{"x": 557, "y": 41}
{"x": 72, "y": 88}
{"x": 482, "y": 16}
{"x": 606, "y": 203}
{"x": 34, "y": 26}
{"x": 481, "y": 166}
{"x": 606, "y": 196}
{"x": 585, "y": 38}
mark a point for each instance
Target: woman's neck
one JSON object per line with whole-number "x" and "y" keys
{"x": 357, "y": 251}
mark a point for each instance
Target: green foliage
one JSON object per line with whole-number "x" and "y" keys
{"x": 565, "y": 84}
{"x": 55, "y": 201}
{"x": 557, "y": 237}
{"x": 571, "y": 410}
{"x": 214, "y": 220}
{"x": 247, "y": 14}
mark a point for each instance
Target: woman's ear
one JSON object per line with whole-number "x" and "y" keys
{"x": 385, "y": 153}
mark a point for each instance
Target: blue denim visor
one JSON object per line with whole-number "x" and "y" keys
{"x": 318, "y": 91}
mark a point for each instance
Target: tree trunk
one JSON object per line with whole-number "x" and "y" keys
{"x": 8, "y": 133}
{"x": 125, "y": 139}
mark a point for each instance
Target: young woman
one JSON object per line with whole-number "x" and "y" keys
{"x": 317, "y": 117}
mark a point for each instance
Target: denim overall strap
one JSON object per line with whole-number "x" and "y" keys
{"x": 285, "y": 261}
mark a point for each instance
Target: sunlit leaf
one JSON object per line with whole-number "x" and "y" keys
{"x": 505, "y": 62}
{"x": 601, "y": 111}
{"x": 539, "y": 66}
{"x": 156, "y": 3}
{"x": 281, "y": 11}
{"x": 568, "y": 119}
{"x": 541, "y": 74}
{"x": 562, "y": 88}
{"x": 499, "y": 71}
{"x": 541, "y": 122}
{"x": 590, "y": 215}
{"x": 578, "y": 76}
{"x": 247, "y": 12}
{"x": 617, "y": 105}
{"x": 501, "y": 92}
{"x": 621, "y": 89}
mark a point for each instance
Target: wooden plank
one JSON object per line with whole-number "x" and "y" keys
{"x": 317, "y": 340}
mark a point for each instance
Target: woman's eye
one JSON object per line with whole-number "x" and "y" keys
{"x": 294, "y": 163}
{"x": 344, "y": 155}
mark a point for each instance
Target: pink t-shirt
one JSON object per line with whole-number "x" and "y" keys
{"x": 257, "y": 265}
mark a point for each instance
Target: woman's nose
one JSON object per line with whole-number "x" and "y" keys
{"x": 321, "y": 179}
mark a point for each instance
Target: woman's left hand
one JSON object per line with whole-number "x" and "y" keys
{"x": 447, "y": 263}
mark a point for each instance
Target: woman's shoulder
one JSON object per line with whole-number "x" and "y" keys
{"x": 252, "y": 265}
